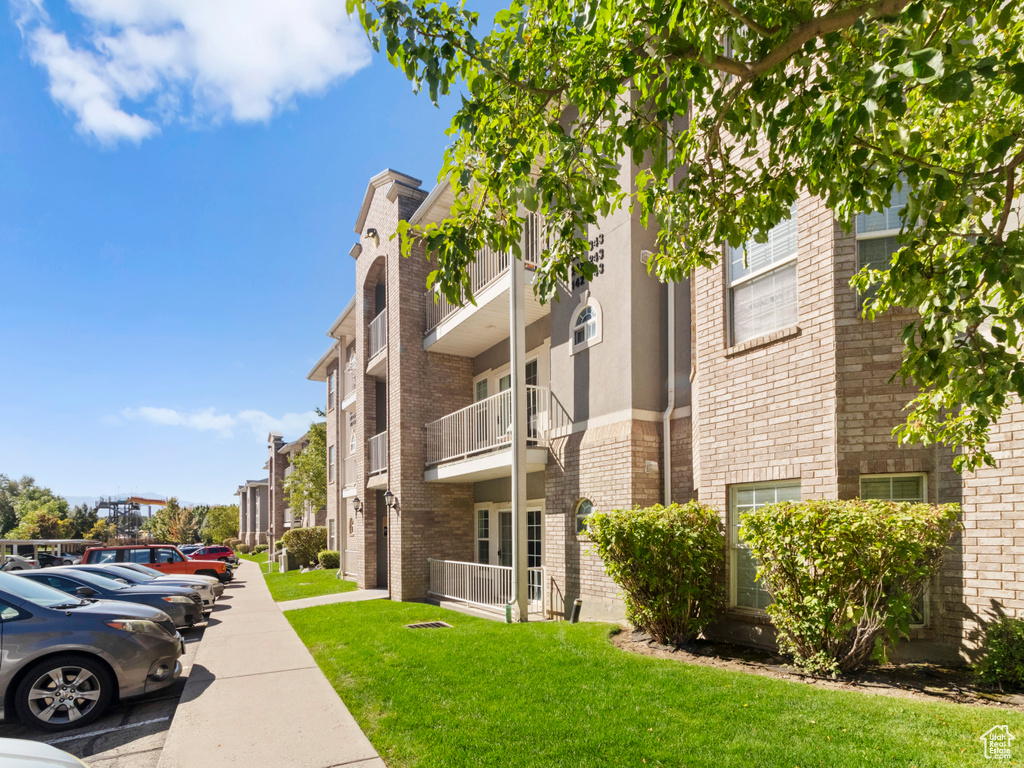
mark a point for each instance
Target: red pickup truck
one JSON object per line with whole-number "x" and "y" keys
{"x": 163, "y": 557}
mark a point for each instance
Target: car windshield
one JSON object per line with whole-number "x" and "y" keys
{"x": 141, "y": 571}
{"x": 112, "y": 573}
{"x": 35, "y": 593}
{"x": 92, "y": 579}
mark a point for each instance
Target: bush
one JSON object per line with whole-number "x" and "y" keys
{"x": 1003, "y": 662}
{"x": 304, "y": 543}
{"x": 330, "y": 559}
{"x": 243, "y": 548}
{"x": 259, "y": 548}
{"x": 844, "y": 575}
{"x": 232, "y": 542}
{"x": 667, "y": 561}
{"x": 279, "y": 544}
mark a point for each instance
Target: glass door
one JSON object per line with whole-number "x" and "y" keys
{"x": 505, "y": 538}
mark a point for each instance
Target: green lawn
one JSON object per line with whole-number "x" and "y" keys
{"x": 553, "y": 694}
{"x": 293, "y": 584}
{"x": 260, "y": 557}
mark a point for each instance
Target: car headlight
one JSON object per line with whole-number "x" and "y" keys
{"x": 196, "y": 587}
{"x": 144, "y": 626}
{"x": 177, "y": 599}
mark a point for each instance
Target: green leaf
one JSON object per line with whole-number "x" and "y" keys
{"x": 955, "y": 87}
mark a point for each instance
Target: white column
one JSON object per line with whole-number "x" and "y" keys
{"x": 517, "y": 338}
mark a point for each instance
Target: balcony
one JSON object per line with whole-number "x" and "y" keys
{"x": 484, "y": 586}
{"x": 348, "y": 387}
{"x": 350, "y": 470}
{"x": 474, "y": 443}
{"x": 378, "y": 338}
{"x": 447, "y": 329}
{"x": 378, "y": 454}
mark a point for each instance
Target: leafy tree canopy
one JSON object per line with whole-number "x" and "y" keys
{"x": 733, "y": 108}
{"x": 221, "y": 523}
{"x": 306, "y": 486}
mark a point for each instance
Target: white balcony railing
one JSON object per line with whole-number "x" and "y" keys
{"x": 486, "y": 425}
{"x": 350, "y": 470}
{"x": 489, "y": 266}
{"x": 379, "y": 453}
{"x": 348, "y": 381}
{"x": 485, "y": 586}
{"x": 378, "y": 331}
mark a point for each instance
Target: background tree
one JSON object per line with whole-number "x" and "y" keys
{"x": 734, "y": 108}
{"x": 37, "y": 524}
{"x": 221, "y": 523}
{"x": 100, "y": 531}
{"x": 306, "y": 486}
{"x": 80, "y": 521}
{"x": 181, "y": 523}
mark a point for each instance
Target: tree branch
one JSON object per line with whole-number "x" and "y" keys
{"x": 745, "y": 20}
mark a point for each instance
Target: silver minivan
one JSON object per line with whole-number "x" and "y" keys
{"x": 63, "y": 660}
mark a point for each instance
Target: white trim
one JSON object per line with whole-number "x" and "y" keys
{"x": 764, "y": 271}
{"x": 876, "y": 235}
{"x": 636, "y": 414}
{"x": 586, "y": 300}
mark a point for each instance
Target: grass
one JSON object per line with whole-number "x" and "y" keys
{"x": 260, "y": 557}
{"x": 294, "y": 584}
{"x": 554, "y": 694}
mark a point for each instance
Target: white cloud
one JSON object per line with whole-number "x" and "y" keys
{"x": 142, "y": 62}
{"x": 209, "y": 420}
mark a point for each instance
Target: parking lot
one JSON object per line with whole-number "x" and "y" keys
{"x": 131, "y": 733}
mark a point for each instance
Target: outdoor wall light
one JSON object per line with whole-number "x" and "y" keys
{"x": 390, "y": 500}
{"x": 371, "y": 233}
{"x": 357, "y": 505}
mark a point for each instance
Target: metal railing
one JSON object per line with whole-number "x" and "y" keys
{"x": 379, "y": 453}
{"x": 350, "y": 470}
{"x": 489, "y": 266}
{"x": 378, "y": 331}
{"x": 485, "y": 425}
{"x": 484, "y": 586}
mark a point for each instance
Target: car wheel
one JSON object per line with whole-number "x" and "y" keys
{"x": 15, "y": 568}
{"x": 207, "y": 572}
{"x": 63, "y": 692}
{"x": 222, "y": 559}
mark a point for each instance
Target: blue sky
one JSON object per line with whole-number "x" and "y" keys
{"x": 174, "y": 232}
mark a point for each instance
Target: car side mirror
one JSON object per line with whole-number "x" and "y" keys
{"x": 85, "y": 592}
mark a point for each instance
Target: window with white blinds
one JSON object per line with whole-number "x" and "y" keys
{"x": 762, "y": 283}
{"x": 876, "y": 233}
{"x": 746, "y": 591}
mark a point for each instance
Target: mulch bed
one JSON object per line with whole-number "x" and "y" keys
{"x": 920, "y": 681}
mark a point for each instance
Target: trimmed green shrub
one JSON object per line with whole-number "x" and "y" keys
{"x": 279, "y": 544}
{"x": 231, "y": 541}
{"x": 304, "y": 543}
{"x": 667, "y": 561}
{"x": 330, "y": 559}
{"x": 844, "y": 575}
{"x": 1003, "y": 662}
{"x": 259, "y": 548}
{"x": 243, "y": 548}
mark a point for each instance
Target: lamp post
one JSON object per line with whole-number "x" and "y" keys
{"x": 357, "y": 505}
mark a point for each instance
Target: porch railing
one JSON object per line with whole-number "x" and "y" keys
{"x": 484, "y": 586}
{"x": 378, "y": 331}
{"x": 348, "y": 381}
{"x": 379, "y": 453}
{"x": 488, "y": 267}
{"x": 486, "y": 425}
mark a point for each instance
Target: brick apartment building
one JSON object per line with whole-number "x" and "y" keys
{"x": 766, "y": 380}
{"x": 253, "y": 512}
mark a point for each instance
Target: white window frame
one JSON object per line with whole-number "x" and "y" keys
{"x": 926, "y": 594}
{"x": 734, "y": 541}
{"x": 331, "y": 461}
{"x": 598, "y": 321}
{"x": 585, "y": 530}
{"x": 331, "y": 534}
{"x": 332, "y": 389}
{"x": 352, "y": 442}
{"x": 777, "y": 266}
{"x": 880, "y": 234}
{"x": 484, "y": 509}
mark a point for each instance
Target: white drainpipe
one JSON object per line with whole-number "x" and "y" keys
{"x": 667, "y": 418}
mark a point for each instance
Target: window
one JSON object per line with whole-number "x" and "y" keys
{"x": 876, "y": 233}
{"x": 166, "y": 555}
{"x": 481, "y": 390}
{"x": 351, "y": 432}
{"x": 584, "y": 508}
{"x": 585, "y": 329}
{"x": 331, "y": 389}
{"x": 138, "y": 556}
{"x": 745, "y": 590}
{"x": 483, "y": 535}
{"x": 106, "y": 556}
{"x": 903, "y": 487}
{"x": 330, "y": 534}
{"x": 762, "y": 283}
{"x": 330, "y": 463}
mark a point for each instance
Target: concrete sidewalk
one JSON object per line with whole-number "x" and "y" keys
{"x": 356, "y": 596}
{"x": 255, "y": 697}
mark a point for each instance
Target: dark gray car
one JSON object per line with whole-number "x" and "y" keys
{"x": 184, "y": 606}
{"x": 64, "y": 659}
{"x": 154, "y": 579}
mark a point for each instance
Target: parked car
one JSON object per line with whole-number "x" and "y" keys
{"x": 24, "y": 753}
{"x": 66, "y": 659}
{"x": 18, "y": 563}
{"x": 215, "y": 584}
{"x": 184, "y": 606}
{"x": 224, "y": 554}
{"x": 153, "y": 578}
{"x": 163, "y": 557}
{"x": 188, "y": 549}
{"x": 49, "y": 559}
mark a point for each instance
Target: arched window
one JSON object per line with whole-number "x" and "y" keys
{"x": 584, "y": 508}
{"x": 586, "y": 325}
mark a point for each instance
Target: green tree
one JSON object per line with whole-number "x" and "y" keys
{"x": 100, "y": 531}
{"x": 221, "y": 523}
{"x": 306, "y": 486}
{"x": 181, "y": 523}
{"x": 37, "y": 524}
{"x": 80, "y": 521}
{"x": 733, "y": 108}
